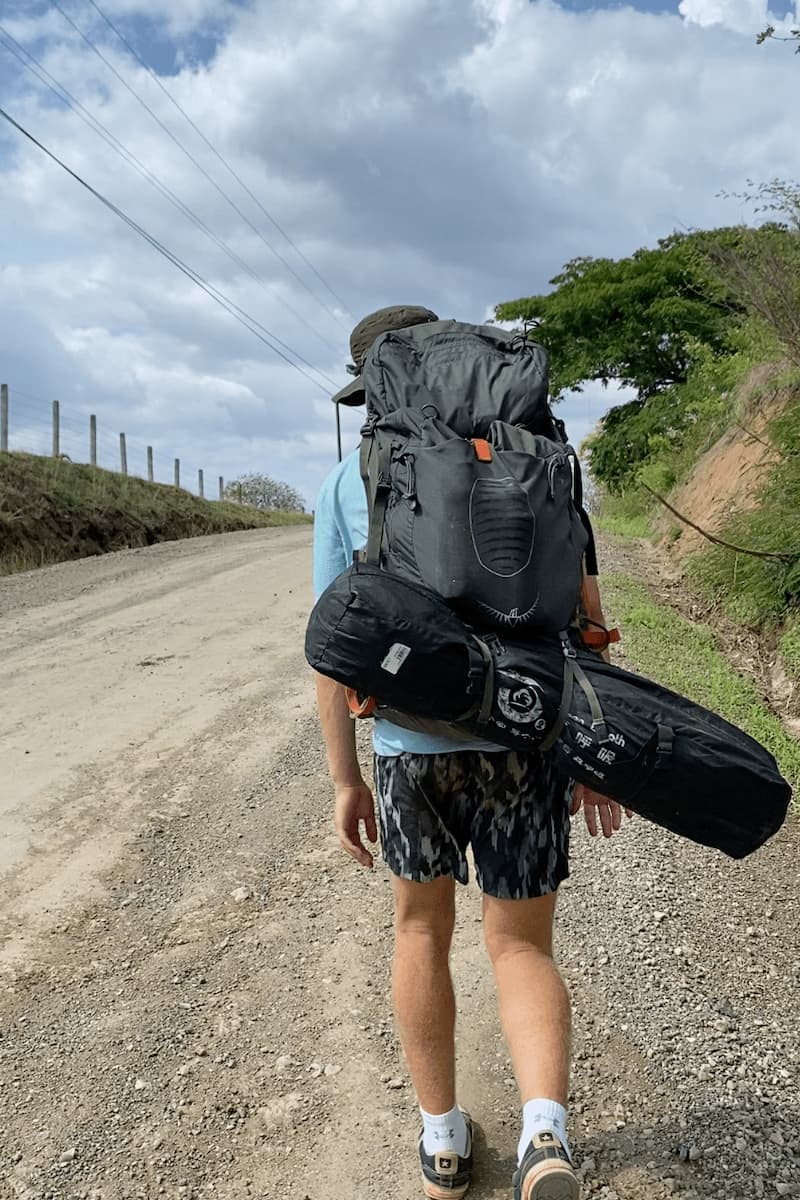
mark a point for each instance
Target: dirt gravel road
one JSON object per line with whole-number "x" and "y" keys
{"x": 193, "y": 979}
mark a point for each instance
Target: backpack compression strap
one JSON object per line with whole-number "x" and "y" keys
{"x": 573, "y": 672}
{"x": 599, "y": 639}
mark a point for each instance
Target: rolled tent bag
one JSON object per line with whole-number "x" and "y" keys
{"x": 398, "y": 641}
{"x": 672, "y": 761}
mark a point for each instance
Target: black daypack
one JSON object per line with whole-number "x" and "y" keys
{"x": 472, "y": 488}
{"x": 670, "y": 760}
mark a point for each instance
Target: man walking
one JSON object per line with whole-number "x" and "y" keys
{"x": 436, "y": 797}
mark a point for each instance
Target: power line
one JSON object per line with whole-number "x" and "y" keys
{"x": 62, "y": 93}
{"x": 243, "y": 216}
{"x": 237, "y": 313}
{"x": 218, "y": 155}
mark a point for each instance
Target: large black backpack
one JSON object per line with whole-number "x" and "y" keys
{"x": 471, "y": 485}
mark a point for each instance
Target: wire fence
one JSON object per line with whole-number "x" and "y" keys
{"x": 32, "y": 425}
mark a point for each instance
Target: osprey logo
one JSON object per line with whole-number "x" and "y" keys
{"x": 519, "y": 699}
{"x": 512, "y": 618}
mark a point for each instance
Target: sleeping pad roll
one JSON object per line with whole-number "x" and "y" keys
{"x": 670, "y": 760}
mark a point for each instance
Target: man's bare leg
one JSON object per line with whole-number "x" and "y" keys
{"x": 532, "y": 999}
{"x": 422, "y": 988}
{"x": 535, "y": 1015}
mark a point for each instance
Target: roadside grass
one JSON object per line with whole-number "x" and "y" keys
{"x": 684, "y": 657}
{"x": 627, "y": 515}
{"x": 789, "y": 646}
{"x": 52, "y": 511}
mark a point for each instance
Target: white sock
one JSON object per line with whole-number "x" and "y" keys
{"x": 539, "y": 1116}
{"x": 447, "y": 1132}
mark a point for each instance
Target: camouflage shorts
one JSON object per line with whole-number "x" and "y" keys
{"x": 511, "y": 808}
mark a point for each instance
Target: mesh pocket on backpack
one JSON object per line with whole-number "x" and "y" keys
{"x": 502, "y": 525}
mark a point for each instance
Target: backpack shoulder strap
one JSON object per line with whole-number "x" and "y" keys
{"x": 374, "y": 466}
{"x": 590, "y": 553}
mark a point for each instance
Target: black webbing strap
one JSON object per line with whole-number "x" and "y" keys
{"x": 577, "y": 483}
{"x": 485, "y": 710}
{"x": 590, "y": 553}
{"x": 375, "y": 472}
{"x": 666, "y": 739}
{"x": 566, "y": 700}
{"x": 595, "y": 708}
{"x": 365, "y": 458}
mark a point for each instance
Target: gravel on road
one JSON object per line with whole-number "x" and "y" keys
{"x": 194, "y": 994}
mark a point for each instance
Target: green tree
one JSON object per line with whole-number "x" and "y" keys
{"x": 665, "y": 316}
{"x": 635, "y": 320}
{"x": 762, "y": 269}
{"x": 260, "y": 491}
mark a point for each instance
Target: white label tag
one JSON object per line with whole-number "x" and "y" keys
{"x": 395, "y": 658}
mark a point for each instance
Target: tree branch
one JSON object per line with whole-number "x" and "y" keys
{"x": 787, "y": 558}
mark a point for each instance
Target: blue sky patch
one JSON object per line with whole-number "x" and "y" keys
{"x": 164, "y": 53}
{"x": 649, "y": 6}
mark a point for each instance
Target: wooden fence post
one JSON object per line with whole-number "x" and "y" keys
{"x": 150, "y": 464}
{"x": 177, "y": 472}
{"x": 56, "y": 431}
{"x": 3, "y": 417}
{"x": 221, "y": 488}
{"x": 239, "y": 489}
{"x": 123, "y": 454}
{"x": 200, "y": 486}
{"x": 93, "y": 440}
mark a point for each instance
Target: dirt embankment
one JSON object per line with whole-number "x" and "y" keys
{"x": 52, "y": 510}
{"x": 194, "y": 980}
{"x": 727, "y": 478}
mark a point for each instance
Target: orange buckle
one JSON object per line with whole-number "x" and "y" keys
{"x": 483, "y": 451}
{"x": 358, "y": 707}
{"x": 599, "y": 639}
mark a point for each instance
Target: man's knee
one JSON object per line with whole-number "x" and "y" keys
{"x": 425, "y": 910}
{"x": 515, "y": 926}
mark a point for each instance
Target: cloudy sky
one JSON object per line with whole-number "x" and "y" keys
{"x": 453, "y": 153}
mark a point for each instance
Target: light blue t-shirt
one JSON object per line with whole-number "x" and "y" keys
{"x": 340, "y": 528}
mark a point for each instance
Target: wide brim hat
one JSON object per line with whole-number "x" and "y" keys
{"x": 384, "y": 320}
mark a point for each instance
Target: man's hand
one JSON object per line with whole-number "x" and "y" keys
{"x": 593, "y": 804}
{"x": 353, "y": 805}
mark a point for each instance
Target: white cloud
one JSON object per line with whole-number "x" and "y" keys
{"x": 448, "y": 153}
{"x": 740, "y": 16}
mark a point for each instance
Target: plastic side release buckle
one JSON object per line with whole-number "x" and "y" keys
{"x": 360, "y": 707}
{"x": 483, "y": 451}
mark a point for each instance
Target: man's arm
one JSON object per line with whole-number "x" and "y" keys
{"x": 592, "y": 605}
{"x": 339, "y": 733}
{"x": 354, "y": 802}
